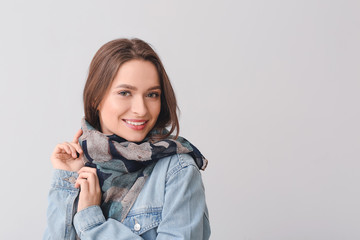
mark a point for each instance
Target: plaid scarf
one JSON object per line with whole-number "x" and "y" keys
{"x": 123, "y": 166}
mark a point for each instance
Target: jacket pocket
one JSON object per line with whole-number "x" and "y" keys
{"x": 141, "y": 220}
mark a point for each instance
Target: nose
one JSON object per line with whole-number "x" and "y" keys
{"x": 138, "y": 106}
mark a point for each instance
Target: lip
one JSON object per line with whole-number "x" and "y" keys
{"x": 139, "y": 127}
{"x": 135, "y": 120}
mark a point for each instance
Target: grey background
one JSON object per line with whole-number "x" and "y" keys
{"x": 268, "y": 90}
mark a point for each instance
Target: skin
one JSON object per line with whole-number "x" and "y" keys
{"x": 133, "y": 95}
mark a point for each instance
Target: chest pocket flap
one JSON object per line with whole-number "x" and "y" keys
{"x": 142, "y": 220}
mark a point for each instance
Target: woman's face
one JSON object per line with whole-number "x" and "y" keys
{"x": 132, "y": 105}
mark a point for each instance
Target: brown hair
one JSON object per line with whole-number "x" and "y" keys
{"x": 103, "y": 69}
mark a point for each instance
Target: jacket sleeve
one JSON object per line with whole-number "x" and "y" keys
{"x": 61, "y": 206}
{"x": 90, "y": 224}
{"x": 184, "y": 213}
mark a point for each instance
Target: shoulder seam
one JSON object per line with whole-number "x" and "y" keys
{"x": 178, "y": 170}
{"x": 181, "y": 164}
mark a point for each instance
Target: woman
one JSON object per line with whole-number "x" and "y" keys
{"x": 124, "y": 175}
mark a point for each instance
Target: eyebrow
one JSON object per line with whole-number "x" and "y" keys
{"x": 134, "y": 88}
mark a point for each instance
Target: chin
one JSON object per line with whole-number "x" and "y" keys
{"x": 134, "y": 137}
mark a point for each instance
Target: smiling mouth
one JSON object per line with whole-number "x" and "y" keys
{"x": 135, "y": 123}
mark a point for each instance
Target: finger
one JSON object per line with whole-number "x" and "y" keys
{"x": 62, "y": 156}
{"x": 60, "y": 148}
{"x": 77, "y": 135}
{"x": 83, "y": 184}
{"x": 91, "y": 178}
{"x": 77, "y": 147}
{"x": 94, "y": 172}
{"x": 66, "y": 148}
{"x": 72, "y": 149}
{"x": 98, "y": 188}
{"x": 88, "y": 169}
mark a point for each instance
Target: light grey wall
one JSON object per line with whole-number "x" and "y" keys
{"x": 269, "y": 92}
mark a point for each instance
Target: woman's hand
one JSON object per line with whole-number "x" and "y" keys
{"x": 90, "y": 192}
{"x": 65, "y": 157}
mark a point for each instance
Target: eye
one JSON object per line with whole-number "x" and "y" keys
{"x": 153, "y": 95}
{"x": 124, "y": 93}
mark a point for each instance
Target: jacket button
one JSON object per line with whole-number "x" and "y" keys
{"x": 137, "y": 227}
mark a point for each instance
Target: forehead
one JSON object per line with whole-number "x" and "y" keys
{"x": 138, "y": 73}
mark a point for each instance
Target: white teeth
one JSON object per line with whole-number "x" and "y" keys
{"x": 135, "y": 123}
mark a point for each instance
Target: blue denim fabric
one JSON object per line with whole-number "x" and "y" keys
{"x": 171, "y": 205}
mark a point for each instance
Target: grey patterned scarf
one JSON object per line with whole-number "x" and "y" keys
{"x": 123, "y": 166}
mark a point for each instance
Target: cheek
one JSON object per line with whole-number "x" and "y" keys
{"x": 156, "y": 110}
{"x": 112, "y": 108}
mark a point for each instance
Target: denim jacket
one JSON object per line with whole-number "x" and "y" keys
{"x": 171, "y": 205}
